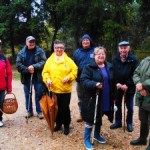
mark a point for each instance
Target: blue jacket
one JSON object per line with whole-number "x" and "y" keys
{"x": 89, "y": 77}
{"x": 39, "y": 61}
{"x": 81, "y": 58}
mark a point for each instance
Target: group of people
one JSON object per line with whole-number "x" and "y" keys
{"x": 95, "y": 78}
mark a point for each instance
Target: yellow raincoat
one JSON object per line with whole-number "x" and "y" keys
{"x": 56, "y": 69}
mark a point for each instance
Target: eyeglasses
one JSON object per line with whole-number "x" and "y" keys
{"x": 59, "y": 47}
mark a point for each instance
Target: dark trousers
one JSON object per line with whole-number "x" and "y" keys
{"x": 2, "y": 94}
{"x": 129, "y": 106}
{"x": 144, "y": 117}
{"x": 63, "y": 115}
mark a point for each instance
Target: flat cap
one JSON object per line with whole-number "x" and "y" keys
{"x": 124, "y": 43}
{"x": 30, "y": 38}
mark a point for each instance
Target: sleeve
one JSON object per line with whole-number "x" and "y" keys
{"x": 20, "y": 66}
{"x": 86, "y": 78}
{"x": 73, "y": 73}
{"x": 41, "y": 61}
{"x": 9, "y": 75}
{"x": 45, "y": 72}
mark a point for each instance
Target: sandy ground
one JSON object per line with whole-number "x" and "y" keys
{"x": 18, "y": 135}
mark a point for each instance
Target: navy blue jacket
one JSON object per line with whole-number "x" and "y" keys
{"x": 81, "y": 58}
{"x": 123, "y": 71}
{"x": 39, "y": 61}
{"x": 90, "y": 76}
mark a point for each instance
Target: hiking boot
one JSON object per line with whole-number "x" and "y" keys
{"x": 57, "y": 128}
{"x": 139, "y": 141}
{"x": 40, "y": 115}
{"x": 1, "y": 124}
{"x": 115, "y": 126}
{"x": 80, "y": 119}
{"x": 29, "y": 115}
{"x": 66, "y": 130}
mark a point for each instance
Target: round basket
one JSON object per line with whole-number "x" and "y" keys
{"x": 10, "y": 105}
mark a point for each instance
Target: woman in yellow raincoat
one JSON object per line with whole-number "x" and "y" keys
{"x": 58, "y": 74}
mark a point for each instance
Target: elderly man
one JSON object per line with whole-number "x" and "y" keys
{"x": 124, "y": 65}
{"x": 82, "y": 56}
{"x": 30, "y": 62}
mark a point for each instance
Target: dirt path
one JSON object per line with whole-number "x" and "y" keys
{"x": 18, "y": 135}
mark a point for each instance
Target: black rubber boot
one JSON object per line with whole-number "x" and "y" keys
{"x": 142, "y": 140}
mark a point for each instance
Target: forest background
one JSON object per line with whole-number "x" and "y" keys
{"x": 106, "y": 21}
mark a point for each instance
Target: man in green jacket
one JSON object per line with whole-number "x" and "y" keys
{"x": 141, "y": 78}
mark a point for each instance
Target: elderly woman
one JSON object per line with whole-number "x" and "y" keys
{"x": 58, "y": 74}
{"x": 97, "y": 77}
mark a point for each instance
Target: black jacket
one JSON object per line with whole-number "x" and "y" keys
{"x": 89, "y": 77}
{"x": 123, "y": 71}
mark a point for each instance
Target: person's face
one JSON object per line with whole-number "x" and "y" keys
{"x": 86, "y": 43}
{"x": 124, "y": 50}
{"x": 59, "y": 49}
{"x": 30, "y": 44}
{"x": 100, "y": 57}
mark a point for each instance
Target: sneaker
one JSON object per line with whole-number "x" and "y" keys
{"x": 29, "y": 115}
{"x": 40, "y": 116}
{"x": 1, "y": 124}
{"x": 100, "y": 139}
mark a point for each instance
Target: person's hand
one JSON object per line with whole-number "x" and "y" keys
{"x": 99, "y": 85}
{"x": 31, "y": 69}
{"x": 143, "y": 92}
{"x": 139, "y": 86}
{"x": 9, "y": 92}
{"x": 118, "y": 85}
{"x": 124, "y": 87}
{"x": 65, "y": 80}
{"x": 49, "y": 82}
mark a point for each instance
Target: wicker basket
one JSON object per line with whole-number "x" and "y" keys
{"x": 10, "y": 104}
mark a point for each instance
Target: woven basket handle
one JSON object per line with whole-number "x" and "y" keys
{"x": 10, "y": 94}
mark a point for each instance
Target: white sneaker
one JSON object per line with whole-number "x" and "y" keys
{"x": 1, "y": 124}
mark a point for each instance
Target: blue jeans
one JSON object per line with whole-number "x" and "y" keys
{"x": 129, "y": 106}
{"x": 2, "y": 94}
{"x": 37, "y": 89}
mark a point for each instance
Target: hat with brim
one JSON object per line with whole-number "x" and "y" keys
{"x": 30, "y": 38}
{"x": 124, "y": 43}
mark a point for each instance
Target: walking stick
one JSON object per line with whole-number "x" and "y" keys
{"x": 95, "y": 113}
{"x": 30, "y": 92}
{"x": 124, "y": 97}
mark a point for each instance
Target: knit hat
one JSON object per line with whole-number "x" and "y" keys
{"x": 86, "y": 36}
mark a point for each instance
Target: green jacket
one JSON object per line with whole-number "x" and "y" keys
{"x": 142, "y": 75}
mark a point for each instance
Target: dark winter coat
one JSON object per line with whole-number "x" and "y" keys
{"x": 39, "y": 61}
{"x": 123, "y": 71}
{"x": 90, "y": 76}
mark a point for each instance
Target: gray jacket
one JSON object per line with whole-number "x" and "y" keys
{"x": 142, "y": 75}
